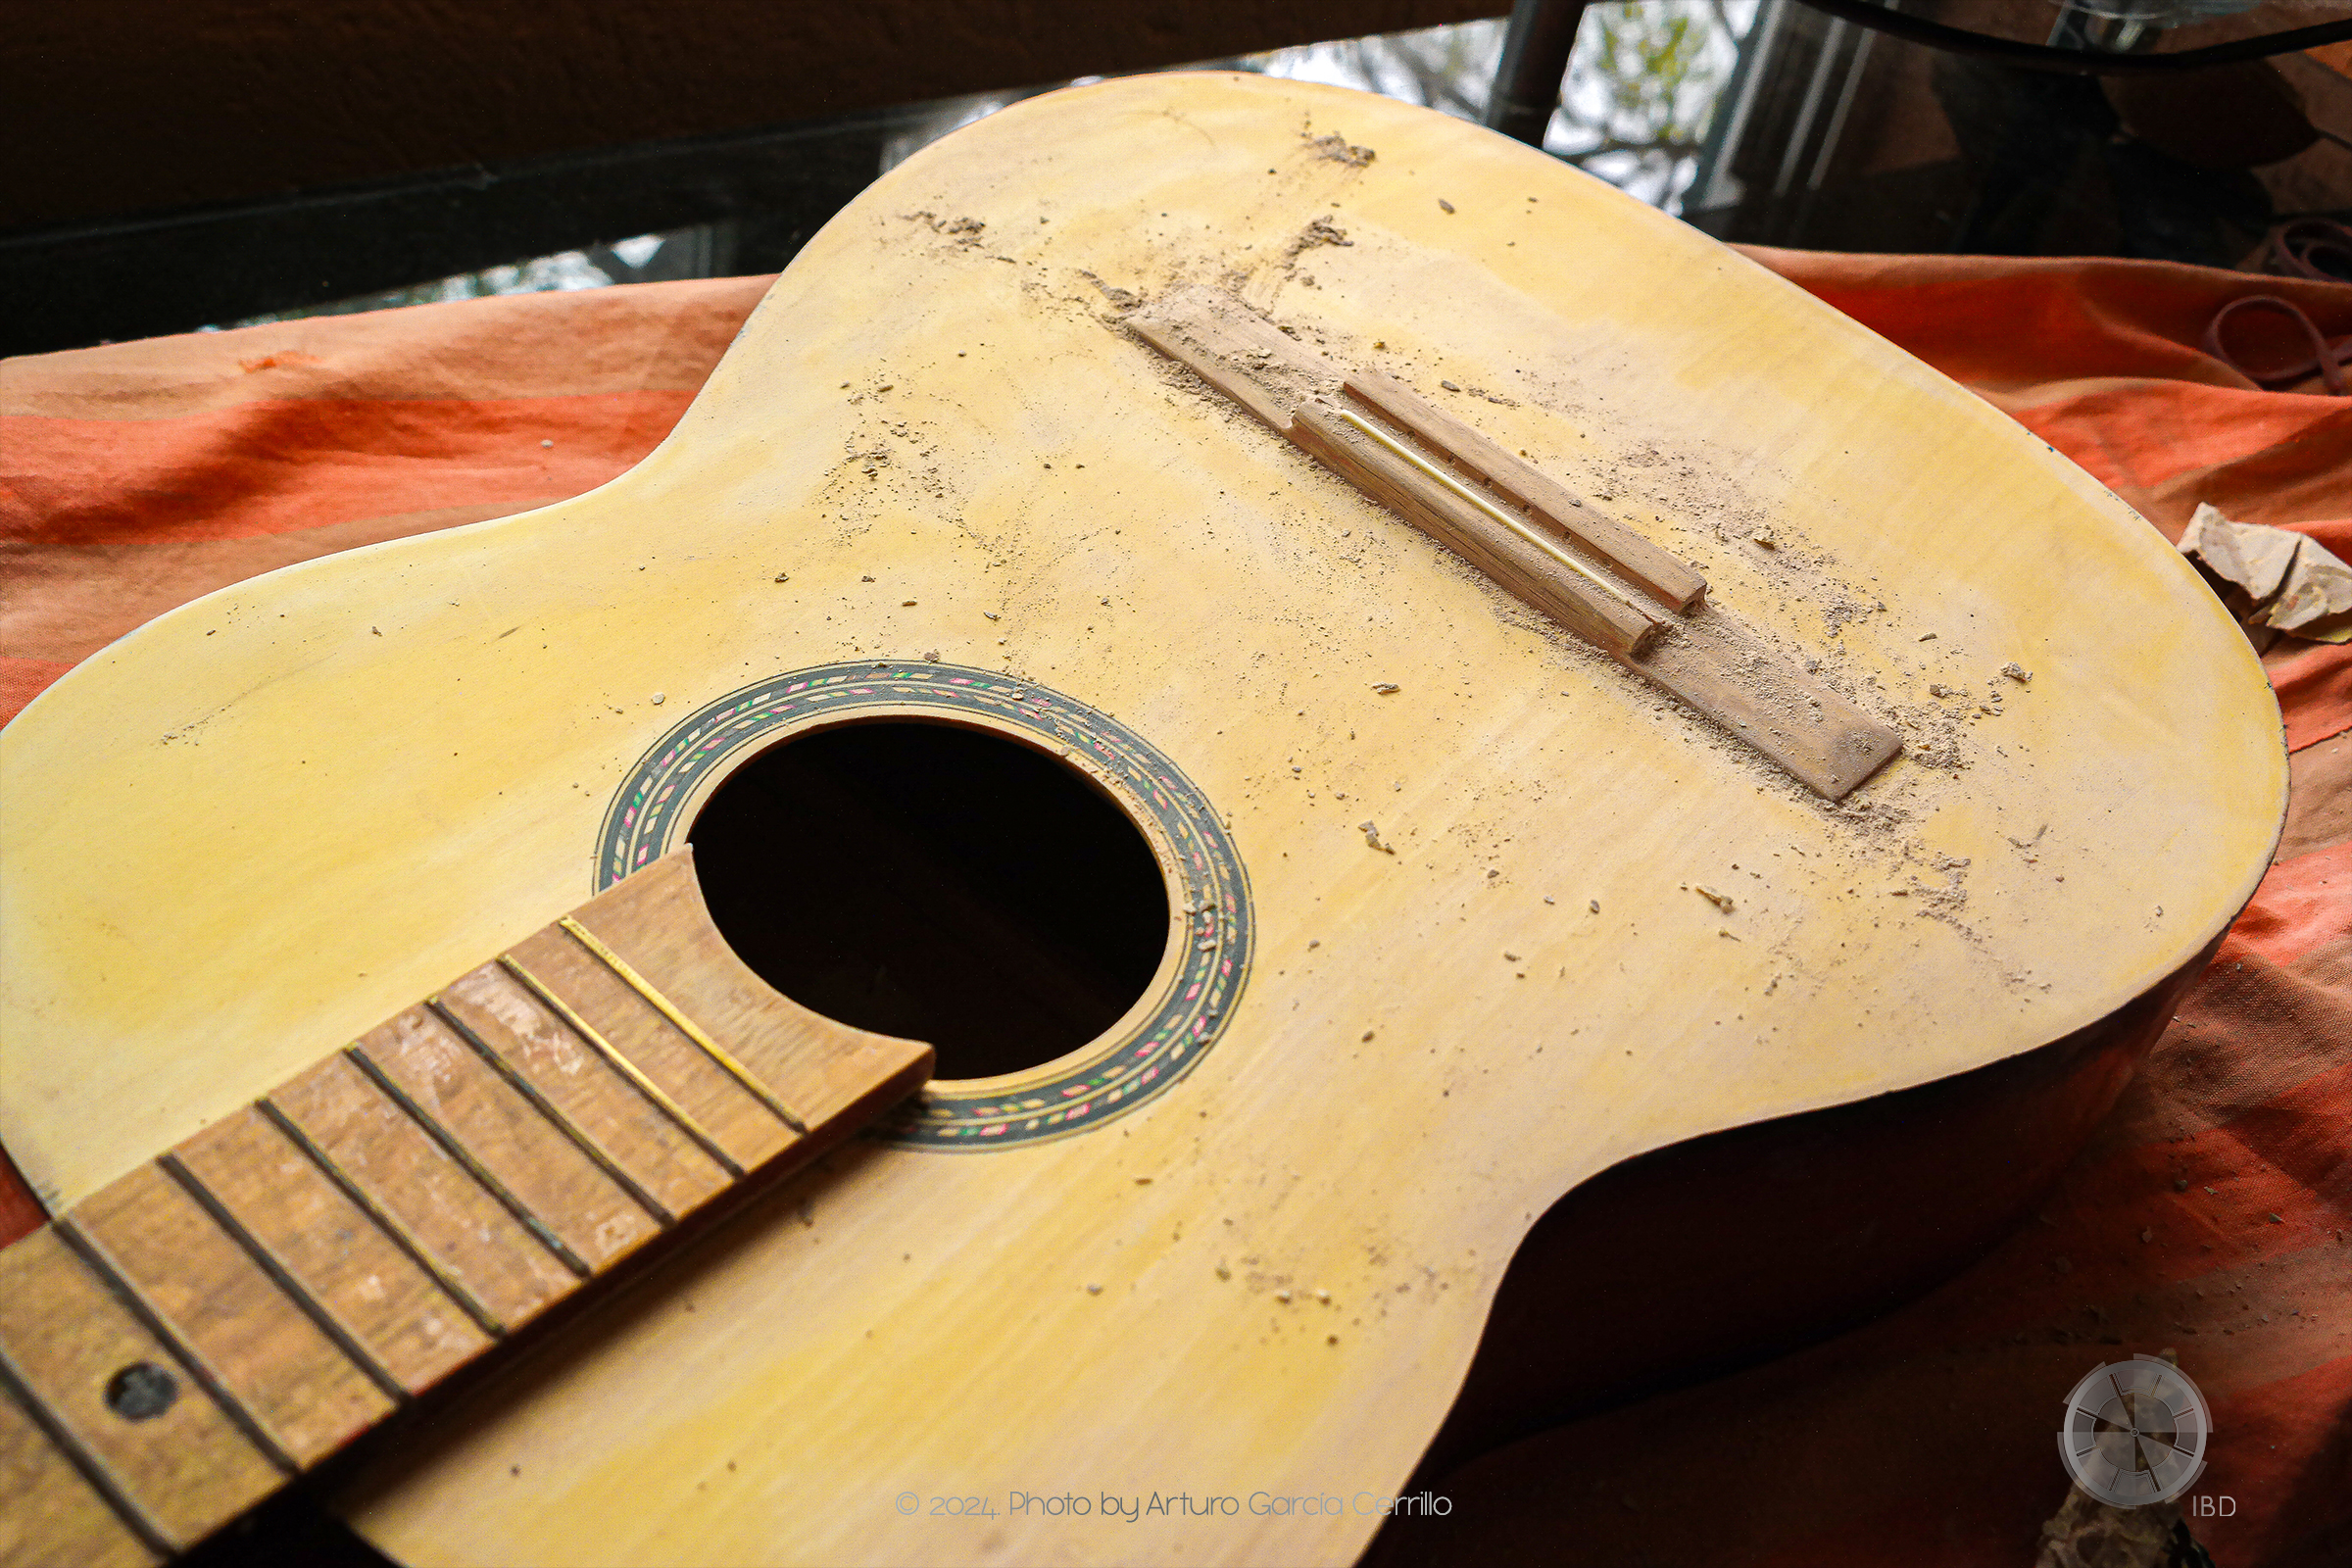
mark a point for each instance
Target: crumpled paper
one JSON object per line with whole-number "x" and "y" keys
{"x": 2273, "y": 580}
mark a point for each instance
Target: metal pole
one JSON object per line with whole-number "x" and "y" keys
{"x": 1535, "y": 59}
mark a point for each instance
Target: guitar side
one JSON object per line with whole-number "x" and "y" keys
{"x": 342, "y": 783}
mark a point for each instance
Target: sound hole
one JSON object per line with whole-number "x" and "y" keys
{"x": 937, "y": 882}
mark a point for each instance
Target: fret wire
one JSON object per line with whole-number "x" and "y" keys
{"x": 687, "y": 1026}
{"x": 394, "y": 1229}
{"x": 554, "y": 1112}
{"x": 93, "y": 1470}
{"x": 653, "y": 1091}
{"x": 465, "y": 1156}
{"x": 283, "y": 1277}
{"x": 93, "y": 1254}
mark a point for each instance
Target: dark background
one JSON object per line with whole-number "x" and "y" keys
{"x": 181, "y": 163}
{"x": 122, "y": 106}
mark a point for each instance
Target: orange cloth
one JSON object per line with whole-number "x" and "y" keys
{"x": 136, "y": 476}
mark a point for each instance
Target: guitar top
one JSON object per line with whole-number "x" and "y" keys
{"x": 1462, "y": 910}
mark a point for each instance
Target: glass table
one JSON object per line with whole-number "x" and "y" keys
{"x": 2081, "y": 37}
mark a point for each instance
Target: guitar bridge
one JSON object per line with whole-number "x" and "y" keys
{"x": 1529, "y": 535}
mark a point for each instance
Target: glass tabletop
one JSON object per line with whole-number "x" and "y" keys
{"x": 2136, "y": 31}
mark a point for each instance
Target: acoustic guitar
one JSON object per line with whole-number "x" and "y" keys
{"x": 1348, "y": 678}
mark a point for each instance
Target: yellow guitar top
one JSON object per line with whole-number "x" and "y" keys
{"x": 1461, "y": 911}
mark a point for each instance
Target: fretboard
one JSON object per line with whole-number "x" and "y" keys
{"x": 219, "y": 1321}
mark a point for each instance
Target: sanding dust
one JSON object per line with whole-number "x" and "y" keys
{"x": 1650, "y": 486}
{"x": 1336, "y": 147}
{"x": 1694, "y": 503}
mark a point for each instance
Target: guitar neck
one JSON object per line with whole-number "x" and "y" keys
{"x": 223, "y": 1318}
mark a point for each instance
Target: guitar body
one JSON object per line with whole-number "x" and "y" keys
{"x": 265, "y": 822}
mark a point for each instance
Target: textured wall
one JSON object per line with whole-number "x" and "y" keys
{"x": 123, "y": 106}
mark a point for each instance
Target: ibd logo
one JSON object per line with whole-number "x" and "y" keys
{"x": 2134, "y": 1433}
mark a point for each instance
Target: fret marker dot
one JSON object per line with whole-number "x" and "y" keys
{"x": 141, "y": 1392}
